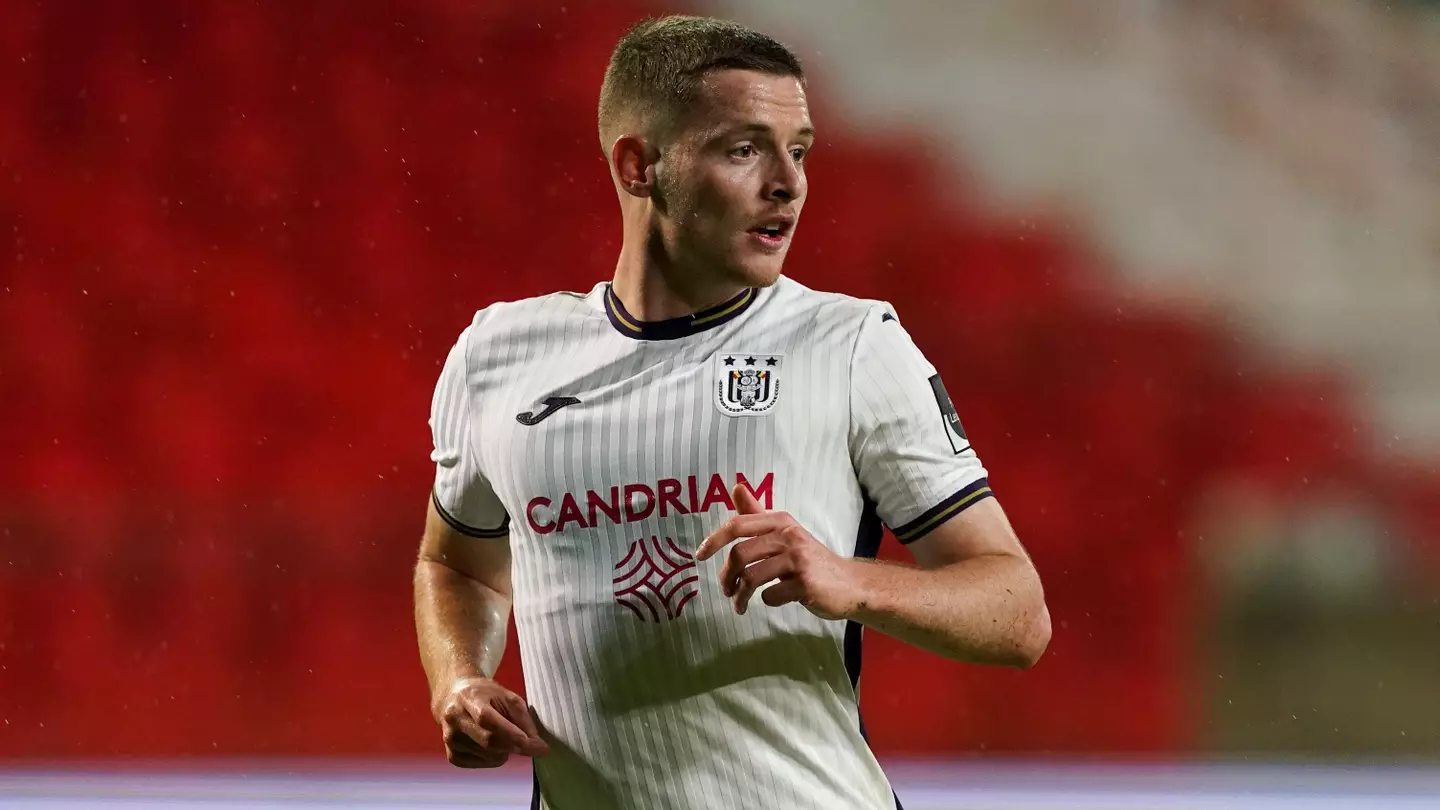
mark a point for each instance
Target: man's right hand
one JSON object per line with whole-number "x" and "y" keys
{"x": 484, "y": 723}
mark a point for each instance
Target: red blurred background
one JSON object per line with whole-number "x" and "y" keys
{"x": 243, "y": 236}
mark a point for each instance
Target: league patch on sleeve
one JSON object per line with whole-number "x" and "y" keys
{"x": 954, "y": 431}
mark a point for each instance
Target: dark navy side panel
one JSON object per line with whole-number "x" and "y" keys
{"x": 867, "y": 546}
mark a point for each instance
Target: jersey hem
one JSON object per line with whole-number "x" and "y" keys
{"x": 469, "y": 531}
{"x": 936, "y": 515}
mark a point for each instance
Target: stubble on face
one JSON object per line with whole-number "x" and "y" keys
{"x": 707, "y": 198}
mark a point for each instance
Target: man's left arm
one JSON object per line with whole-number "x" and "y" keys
{"x": 972, "y": 593}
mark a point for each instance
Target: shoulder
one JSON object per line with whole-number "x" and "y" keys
{"x": 516, "y": 328}
{"x": 528, "y": 318}
{"x": 551, "y": 309}
{"x": 820, "y": 312}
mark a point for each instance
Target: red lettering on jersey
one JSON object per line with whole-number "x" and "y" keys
{"x": 636, "y": 502}
{"x": 570, "y": 513}
{"x": 717, "y": 493}
{"x": 631, "y": 515}
{"x": 540, "y": 528}
{"x": 765, "y": 493}
{"x": 611, "y": 508}
{"x": 670, "y": 496}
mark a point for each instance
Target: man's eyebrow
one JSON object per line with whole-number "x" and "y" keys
{"x": 756, "y": 126}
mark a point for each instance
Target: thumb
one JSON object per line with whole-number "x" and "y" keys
{"x": 745, "y": 501}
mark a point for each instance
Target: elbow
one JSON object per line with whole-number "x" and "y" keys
{"x": 1033, "y": 639}
{"x": 1029, "y": 630}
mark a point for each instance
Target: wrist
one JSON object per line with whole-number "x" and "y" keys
{"x": 449, "y": 684}
{"x": 865, "y": 591}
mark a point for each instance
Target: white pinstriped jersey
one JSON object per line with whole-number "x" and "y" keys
{"x": 606, "y": 449}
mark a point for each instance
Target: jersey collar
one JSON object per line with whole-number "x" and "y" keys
{"x": 672, "y": 328}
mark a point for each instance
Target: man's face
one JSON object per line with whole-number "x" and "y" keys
{"x": 732, "y": 183}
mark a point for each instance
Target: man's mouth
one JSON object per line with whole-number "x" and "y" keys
{"x": 774, "y": 230}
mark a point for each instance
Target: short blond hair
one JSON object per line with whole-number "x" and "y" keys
{"x": 657, "y": 66}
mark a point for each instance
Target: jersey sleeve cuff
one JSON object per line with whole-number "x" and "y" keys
{"x": 469, "y": 531}
{"x": 943, "y": 511}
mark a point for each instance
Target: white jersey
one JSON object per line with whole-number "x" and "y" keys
{"x": 606, "y": 449}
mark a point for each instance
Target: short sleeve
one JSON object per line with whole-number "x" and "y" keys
{"x": 908, "y": 446}
{"x": 462, "y": 495}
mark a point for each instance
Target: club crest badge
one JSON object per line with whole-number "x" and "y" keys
{"x": 747, "y": 384}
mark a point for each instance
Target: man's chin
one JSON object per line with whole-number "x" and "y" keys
{"x": 758, "y": 274}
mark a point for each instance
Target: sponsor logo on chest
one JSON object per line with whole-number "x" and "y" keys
{"x": 632, "y": 503}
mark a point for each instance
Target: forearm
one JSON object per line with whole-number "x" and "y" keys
{"x": 460, "y": 623}
{"x": 987, "y": 610}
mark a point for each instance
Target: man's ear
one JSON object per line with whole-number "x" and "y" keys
{"x": 634, "y": 161}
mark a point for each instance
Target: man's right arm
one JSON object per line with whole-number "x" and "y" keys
{"x": 462, "y": 604}
{"x": 462, "y": 587}
{"x": 462, "y": 609}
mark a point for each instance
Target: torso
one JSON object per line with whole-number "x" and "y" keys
{"x": 658, "y": 694}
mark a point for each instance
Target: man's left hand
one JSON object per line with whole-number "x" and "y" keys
{"x": 774, "y": 547}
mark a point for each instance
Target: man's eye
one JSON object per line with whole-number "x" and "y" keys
{"x": 743, "y": 151}
{"x": 798, "y": 153}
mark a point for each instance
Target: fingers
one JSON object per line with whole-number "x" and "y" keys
{"x": 465, "y": 760}
{"x": 748, "y": 522}
{"x": 463, "y": 752}
{"x": 463, "y": 744}
{"x": 742, "y": 526}
{"x": 787, "y": 590}
{"x": 504, "y": 735}
{"x": 775, "y": 549}
{"x": 743, "y": 555}
{"x": 486, "y": 732}
{"x": 484, "y": 723}
{"x": 519, "y": 713}
{"x": 461, "y": 726}
{"x": 755, "y": 576}
{"x": 745, "y": 501}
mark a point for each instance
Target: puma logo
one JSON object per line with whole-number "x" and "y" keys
{"x": 552, "y": 404}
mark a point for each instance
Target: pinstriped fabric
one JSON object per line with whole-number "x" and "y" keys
{"x": 652, "y": 423}
{"x": 712, "y": 448}
{"x": 671, "y": 699}
{"x": 898, "y": 428}
{"x": 557, "y": 464}
{"x": 605, "y": 744}
{"x": 461, "y": 494}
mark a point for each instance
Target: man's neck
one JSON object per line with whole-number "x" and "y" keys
{"x": 654, "y": 293}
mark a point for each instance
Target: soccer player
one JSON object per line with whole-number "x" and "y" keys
{"x": 677, "y": 481}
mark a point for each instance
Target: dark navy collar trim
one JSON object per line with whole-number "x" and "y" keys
{"x": 672, "y": 328}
